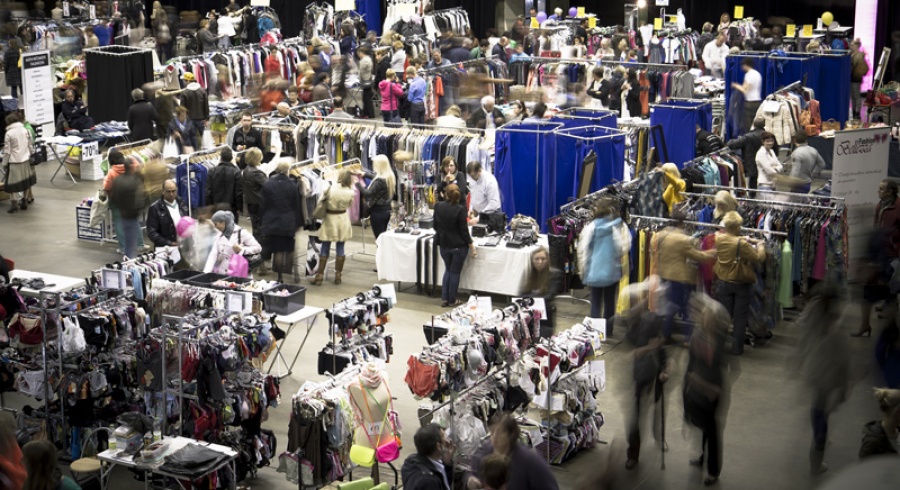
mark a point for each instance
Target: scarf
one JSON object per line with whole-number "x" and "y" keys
{"x": 227, "y": 218}
{"x": 674, "y": 188}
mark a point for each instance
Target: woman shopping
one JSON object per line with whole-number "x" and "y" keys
{"x": 19, "y": 174}
{"x": 232, "y": 240}
{"x": 450, "y": 175}
{"x": 601, "y": 245}
{"x": 734, "y": 269}
{"x": 183, "y": 131}
{"x": 282, "y": 214}
{"x": 452, "y": 236}
{"x": 380, "y": 193}
{"x": 391, "y": 92}
{"x": 336, "y": 225}
{"x": 767, "y": 163}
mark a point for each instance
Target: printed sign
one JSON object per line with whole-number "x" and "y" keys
{"x": 657, "y": 23}
{"x": 738, "y": 11}
{"x": 38, "y": 92}
{"x": 791, "y": 30}
{"x": 808, "y": 30}
{"x": 860, "y": 164}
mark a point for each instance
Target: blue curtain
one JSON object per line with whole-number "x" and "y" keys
{"x": 787, "y": 69}
{"x": 734, "y": 74}
{"x": 679, "y": 119}
{"x": 524, "y": 158}
{"x": 580, "y": 117}
{"x": 371, "y": 10}
{"x": 834, "y": 87}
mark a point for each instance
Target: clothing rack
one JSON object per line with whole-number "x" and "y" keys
{"x": 131, "y": 146}
{"x": 478, "y": 61}
{"x": 188, "y": 160}
{"x": 377, "y": 123}
{"x": 551, "y": 59}
{"x": 710, "y": 225}
{"x": 783, "y": 193}
{"x": 773, "y": 203}
{"x": 655, "y": 66}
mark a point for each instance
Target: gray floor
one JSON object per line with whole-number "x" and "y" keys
{"x": 767, "y": 433}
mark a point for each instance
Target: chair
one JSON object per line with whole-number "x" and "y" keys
{"x": 86, "y": 470}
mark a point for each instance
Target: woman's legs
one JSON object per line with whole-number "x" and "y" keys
{"x": 323, "y": 263}
{"x": 14, "y": 202}
{"x": 454, "y": 270}
{"x": 339, "y": 262}
{"x": 380, "y": 219}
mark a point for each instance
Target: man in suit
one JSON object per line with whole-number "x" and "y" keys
{"x": 487, "y": 116}
{"x": 164, "y": 215}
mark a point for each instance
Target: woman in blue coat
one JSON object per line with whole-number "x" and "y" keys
{"x": 601, "y": 246}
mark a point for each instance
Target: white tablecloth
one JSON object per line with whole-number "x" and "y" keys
{"x": 498, "y": 270}
{"x": 60, "y": 283}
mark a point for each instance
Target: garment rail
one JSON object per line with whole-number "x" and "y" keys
{"x": 781, "y": 193}
{"x": 837, "y": 207}
{"x": 378, "y": 124}
{"x": 190, "y": 159}
{"x": 709, "y": 225}
{"x": 551, "y": 59}
{"x": 295, "y": 108}
{"x": 134, "y": 145}
{"x": 655, "y": 66}
{"x": 478, "y": 61}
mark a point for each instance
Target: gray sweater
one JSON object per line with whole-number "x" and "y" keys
{"x": 807, "y": 163}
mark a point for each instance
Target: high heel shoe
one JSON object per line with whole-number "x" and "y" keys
{"x": 865, "y": 333}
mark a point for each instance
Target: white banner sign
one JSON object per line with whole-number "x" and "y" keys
{"x": 38, "y": 91}
{"x": 860, "y": 164}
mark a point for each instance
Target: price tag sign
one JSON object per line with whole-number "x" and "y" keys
{"x": 92, "y": 11}
{"x": 66, "y": 9}
{"x": 658, "y": 23}
{"x": 738, "y": 11}
{"x": 592, "y": 22}
{"x": 234, "y": 302}
{"x": 373, "y": 428}
{"x": 807, "y": 30}
{"x": 90, "y": 150}
{"x": 581, "y": 13}
{"x": 113, "y": 279}
{"x": 791, "y": 30}
{"x": 534, "y": 23}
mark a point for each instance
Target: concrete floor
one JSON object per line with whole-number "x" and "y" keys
{"x": 766, "y": 438}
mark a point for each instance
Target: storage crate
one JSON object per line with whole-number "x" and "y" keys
{"x": 236, "y": 280}
{"x": 82, "y": 222}
{"x": 285, "y": 305}
{"x": 204, "y": 280}
{"x": 181, "y": 276}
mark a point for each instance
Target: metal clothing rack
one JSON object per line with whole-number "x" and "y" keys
{"x": 709, "y": 225}
{"x": 773, "y": 203}
{"x": 782, "y": 193}
{"x": 658, "y": 66}
{"x": 451, "y": 66}
{"x": 131, "y": 145}
{"x": 379, "y": 124}
{"x": 187, "y": 160}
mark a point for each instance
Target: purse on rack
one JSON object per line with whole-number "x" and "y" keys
{"x": 384, "y": 452}
{"x": 321, "y": 208}
{"x": 831, "y": 125}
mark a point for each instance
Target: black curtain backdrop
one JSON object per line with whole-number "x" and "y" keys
{"x": 113, "y": 72}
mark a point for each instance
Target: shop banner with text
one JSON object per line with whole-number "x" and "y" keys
{"x": 37, "y": 72}
{"x": 860, "y": 164}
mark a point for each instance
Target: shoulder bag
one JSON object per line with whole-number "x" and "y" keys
{"x": 253, "y": 260}
{"x": 321, "y": 209}
{"x": 378, "y": 451}
{"x": 744, "y": 272}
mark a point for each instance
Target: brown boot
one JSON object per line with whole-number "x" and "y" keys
{"x": 338, "y": 268}
{"x": 323, "y": 264}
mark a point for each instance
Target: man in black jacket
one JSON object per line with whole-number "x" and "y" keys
{"x": 142, "y": 117}
{"x": 247, "y": 136}
{"x": 164, "y": 215}
{"x": 487, "y": 116}
{"x": 429, "y": 468}
{"x": 223, "y": 185}
{"x": 749, "y": 144}
{"x": 707, "y": 142}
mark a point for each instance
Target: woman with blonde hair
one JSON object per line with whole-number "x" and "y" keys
{"x": 451, "y": 119}
{"x": 398, "y": 59}
{"x": 724, "y": 202}
{"x": 734, "y": 269}
{"x": 336, "y": 226}
{"x": 391, "y": 91}
{"x": 881, "y": 436}
{"x": 380, "y": 193}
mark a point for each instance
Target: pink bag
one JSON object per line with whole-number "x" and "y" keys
{"x": 238, "y": 266}
{"x": 388, "y": 451}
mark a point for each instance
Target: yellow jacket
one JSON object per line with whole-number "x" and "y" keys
{"x": 678, "y": 255}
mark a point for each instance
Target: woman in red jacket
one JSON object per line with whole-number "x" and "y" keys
{"x": 391, "y": 91}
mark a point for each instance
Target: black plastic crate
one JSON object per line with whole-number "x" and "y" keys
{"x": 236, "y": 280}
{"x": 181, "y": 276}
{"x": 205, "y": 280}
{"x": 285, "y": 305}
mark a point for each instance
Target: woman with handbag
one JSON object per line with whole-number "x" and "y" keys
{"x": 20, "y": 175}
{"x": 336, "y": 226}
{"x": 232, "y": 240}
{"x": 380, "y": 193}
{"x": 391, "y": 91}
{"x": 734, "y": 269}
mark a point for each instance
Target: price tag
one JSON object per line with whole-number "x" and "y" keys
{"x": 89, "y": 150}
{"x": 92, "y": 11}
{"x": 374, "y": 428}
{"x": 738, "y": 11}
{"x": 113, "y": 279}
{"x": 66, "y": 9}
{"x": 234, "y": 302}
{"x": 657, "y": 23}
{"x": 581, "y": 13}
{"x": 807, "y": 30}
{"x": 791, "y": 30}
{"x": 534, "y": 23}
{"x": 592, "y": 22}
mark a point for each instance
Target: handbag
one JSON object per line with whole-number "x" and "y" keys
{"x": 253, "y": 260}
{"x": 744, "y": 273}
{"x": 831, "y": 125}
{"x": 362, "y": 455}
{"x": 383, "y": 452}
{"x": 321, "y": 209}
{"x": 238, "y": 266}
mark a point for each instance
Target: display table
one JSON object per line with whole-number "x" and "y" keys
{"x": 55, "y": 284}
{"x": 497, "y": 270}
{"x": 308, "y": 314}
{"x": 109, "y": 459}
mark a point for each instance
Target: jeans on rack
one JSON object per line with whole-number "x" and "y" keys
{"x": 735, "y": 297}
{"x": 326, "y": 249}
{"x": 453, "y": 258}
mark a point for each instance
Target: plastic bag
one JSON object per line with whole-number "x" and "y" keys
{"x": 99, "y": 208}
{"x": 170, "y": 149}
{"x": 207, "y": 141}
{"x": 72, "y": 337}
{"x": 238, "y": 266}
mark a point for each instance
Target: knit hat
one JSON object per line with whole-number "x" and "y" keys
{"x": 186, "y": 226}
{"x": 188, "y": 77}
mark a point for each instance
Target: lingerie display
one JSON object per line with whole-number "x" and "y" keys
{"x": 359, "y": 322}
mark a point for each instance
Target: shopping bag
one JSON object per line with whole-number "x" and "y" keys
{"x": 170, "y": 148}
{"x": 238, "y": 266}
{"x": 207, "y": 142}
{"x": 313, "y": 248}
{"x": 99, "y": 207}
